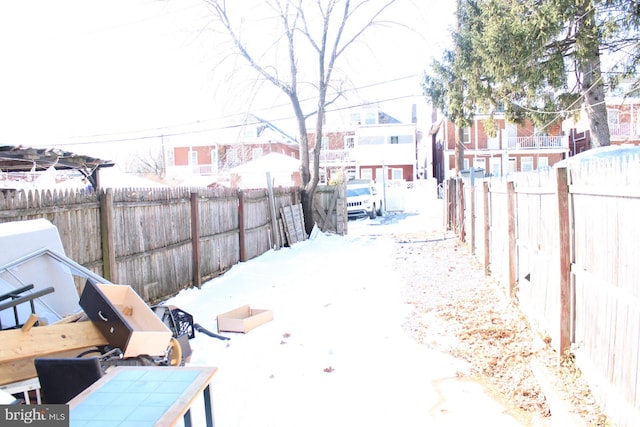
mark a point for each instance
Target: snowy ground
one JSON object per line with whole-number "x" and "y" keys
{"x": 336, "y": 352}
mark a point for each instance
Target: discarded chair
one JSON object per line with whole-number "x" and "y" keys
{"x": 62, "y": 379}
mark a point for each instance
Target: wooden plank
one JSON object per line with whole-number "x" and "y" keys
{"x": 299, "y": 221}
{"x": 472, "y": 218}
{"x": 511, "y": 235}
{"x": 107, "y": 234}
{"x": 292, "y": 223}
{"x": 281, "y": 232}
{"x": 195, "y": 240}
{"x": 487, "y": 229}
{"x": 564, "y": 253}
{"x": 44, "y": 340}
{"x": 286, "y": 220}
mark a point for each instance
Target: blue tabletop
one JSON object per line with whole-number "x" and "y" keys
{"x": 135, "y": 398}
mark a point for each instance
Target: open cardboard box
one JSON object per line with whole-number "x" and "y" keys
{"x": 125, "y": 320}
{"x": 243, "y": 319}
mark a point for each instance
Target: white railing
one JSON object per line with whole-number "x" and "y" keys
{"x": 623, "y": 129}
{"x": 335, "y": 156}
{"x": 537, "y": 142}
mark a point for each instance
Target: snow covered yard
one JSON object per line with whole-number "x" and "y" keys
{"x": 365, "y": 330}
{"x": 335, "y": 352}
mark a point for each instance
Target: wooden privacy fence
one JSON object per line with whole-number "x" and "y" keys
{"x": 160, "y": 241}
{"x": 564, "y": 243}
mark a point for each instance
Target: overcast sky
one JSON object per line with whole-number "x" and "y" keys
{"x": 73, "y": 69}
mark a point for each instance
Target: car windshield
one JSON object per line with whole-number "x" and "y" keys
{"x": 354, "y": 192}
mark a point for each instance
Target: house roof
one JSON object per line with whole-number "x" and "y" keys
{"x": 272, "y": 162}
{"x": 24, "y": 159}
{"x": 16, "y": 158}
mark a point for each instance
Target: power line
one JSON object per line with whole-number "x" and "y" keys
{"x": 165, "y": 131}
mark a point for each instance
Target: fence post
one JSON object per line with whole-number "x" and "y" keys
{"x": 272, "y": 210}
{"x": 472, "y": 216}
{"x": 487, "y": 228}
{"x": 195, "y": 240}
{"x": 564, "y": 255}
{"x": 460, "y": 212}
{"x": 242, "y": 234}
{"x": 106, "y": 235}
{"x": 511, "y": 230}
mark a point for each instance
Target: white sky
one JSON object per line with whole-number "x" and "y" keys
{"x": 77, "y": 68}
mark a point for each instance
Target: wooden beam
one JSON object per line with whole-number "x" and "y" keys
{"x": 106, "y": 233}
{"x": 195, "y": 240}
{"x": 44, "y": 340}
{"x": 472, "y": 217}
{"x": 511, "y": 231}
{"x": 487, "y": 228}
{"x": 564, "y": 254}
{"x": 241, "y": 226}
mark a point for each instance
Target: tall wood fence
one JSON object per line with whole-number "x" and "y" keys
{"x": 564, "y": 242}
{"x": 160, "y": 241}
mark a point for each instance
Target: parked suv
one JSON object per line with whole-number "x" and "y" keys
{"x": 363, "y": 199}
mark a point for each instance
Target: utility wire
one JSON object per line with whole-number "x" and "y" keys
{"x": 166, "y": 131}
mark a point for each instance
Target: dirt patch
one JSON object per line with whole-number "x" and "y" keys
{"x": 458, "y": 310}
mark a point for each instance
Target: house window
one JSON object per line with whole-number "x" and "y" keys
{"x": 613, "y": 117}
{"x": 193, "y": 158}
{"x": 324, "y": 143}
{"x": 256, "y": 153}
{"x": 526, "y": 164}
{"x": 214, "y": 161}
{"x": 465, "y": 164}
{"x": 349, "y": 142}
{"x": 511, "y": 165}
{"x": 370, "y": 118}
{"x": 396, "y": 173}
{"x": 480, "y": 164}
{"x": 232, "y": 157}
{"x": 394, "y": 139}
{"x": 466, "y": 136}
{"x": 543, "y": 162}
{"x": 370, "y": 140}
{"x": 355, "y": 118}
{"x": 366, "y": 173}
{"x": 496, "y": 166}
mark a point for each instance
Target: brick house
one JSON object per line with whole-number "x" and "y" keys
{"x": 373, "y": 144}
{"x": 514, "y": 148}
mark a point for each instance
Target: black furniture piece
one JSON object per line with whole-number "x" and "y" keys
{"x": 62, "y": 379}
{"x": 20, "y": 296}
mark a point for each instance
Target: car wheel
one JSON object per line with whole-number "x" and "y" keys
{"x": 379, "y": 212}
{"x": 372, "y": 214}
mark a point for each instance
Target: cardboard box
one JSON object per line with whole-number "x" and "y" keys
{"x": 243, "y": 319}
{"x": 125, "y": 320}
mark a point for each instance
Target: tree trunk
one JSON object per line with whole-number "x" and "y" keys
{"x": 459, "y": 150}
{"x": 592, "y": 80}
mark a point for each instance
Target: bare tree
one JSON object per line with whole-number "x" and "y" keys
{"x": 320, "y": 30}
{"x": 150, "y": 162}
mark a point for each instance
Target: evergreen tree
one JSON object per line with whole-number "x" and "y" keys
{"x": 543, "y": 59}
